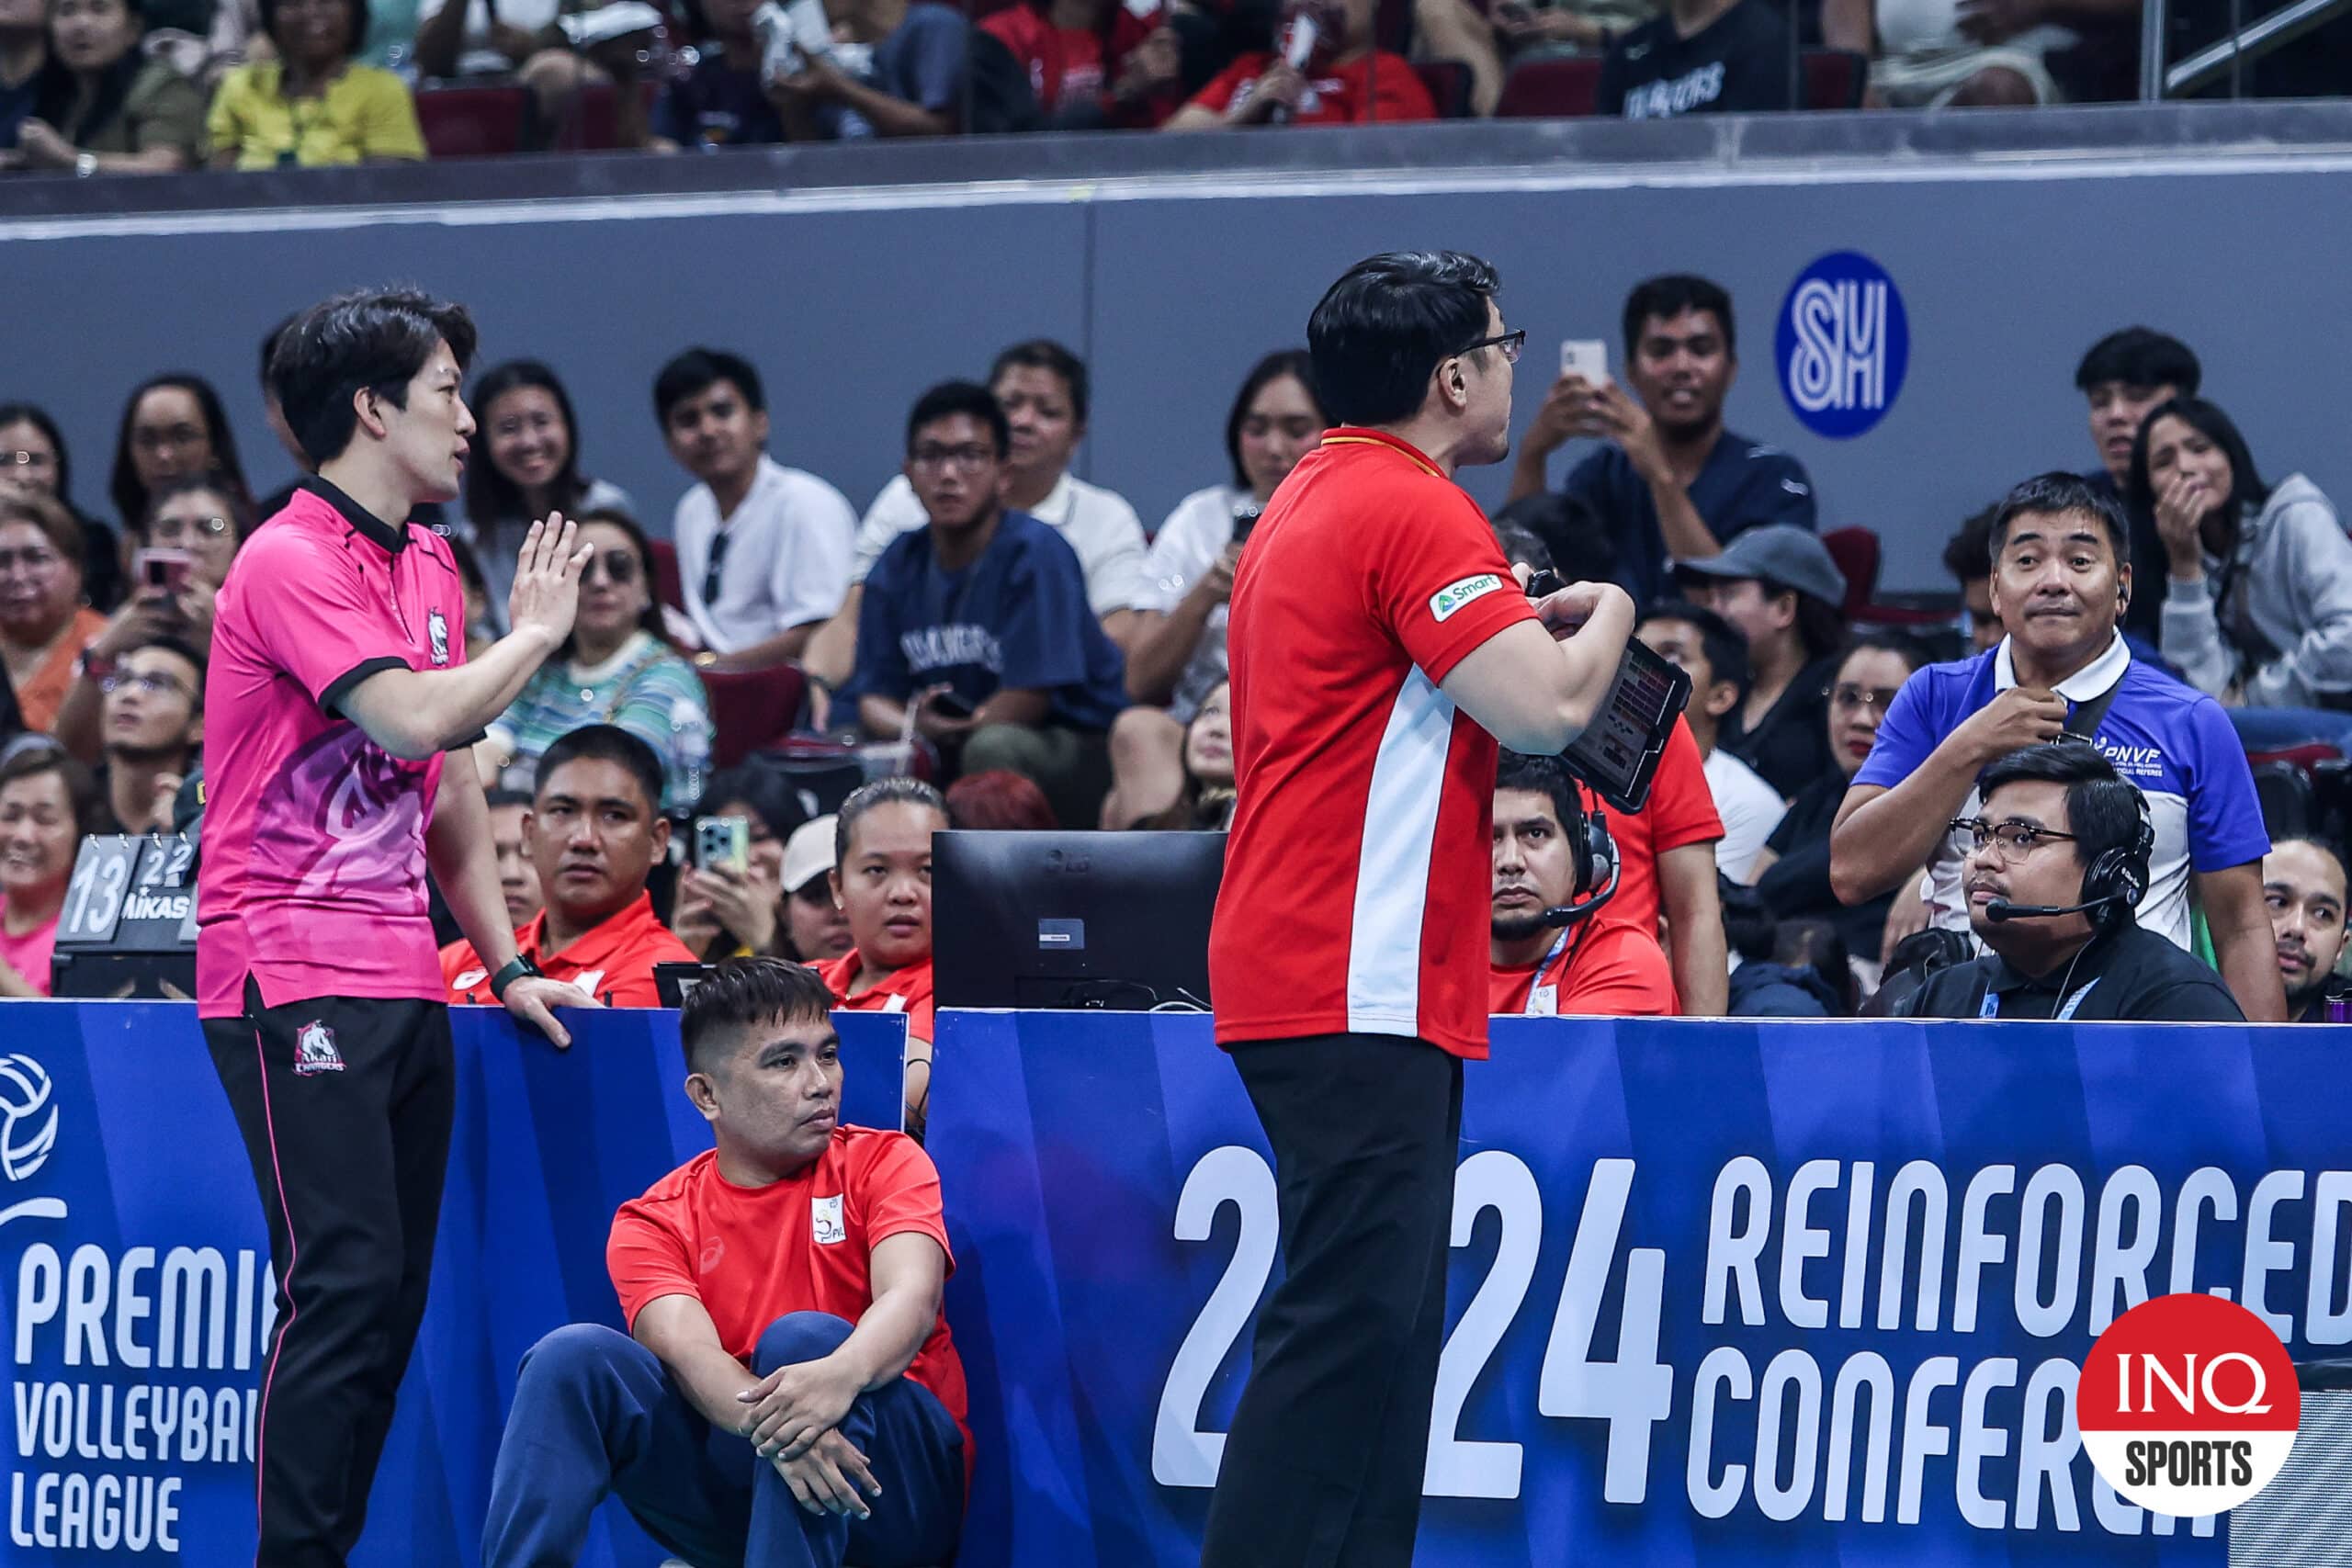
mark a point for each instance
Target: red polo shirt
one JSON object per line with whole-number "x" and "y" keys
{"x": 1360, "y": 863}
{"x": 907, "y": 992}
{"x": 614, "y": 962}
{"x": 1614, "y": 969}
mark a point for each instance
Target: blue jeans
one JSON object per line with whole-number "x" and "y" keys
{"x": 597, "y": 1414}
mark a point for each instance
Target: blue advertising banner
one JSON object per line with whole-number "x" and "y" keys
{"x": 135, "y": 1295}
{"x": 1722, "y": 1293}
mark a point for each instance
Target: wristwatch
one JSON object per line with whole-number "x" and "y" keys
{"x": 85, "y": 164}
{"x": 516, "y": 968}
{"x": 92, "y": 666}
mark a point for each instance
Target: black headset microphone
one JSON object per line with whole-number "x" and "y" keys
{"x": 2000, "y": 909}
{"x": 1594, "y": 852}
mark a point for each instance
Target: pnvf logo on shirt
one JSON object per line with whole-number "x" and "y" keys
{"x": 825, "y": 1221}
{"x": 1842, "y": 345}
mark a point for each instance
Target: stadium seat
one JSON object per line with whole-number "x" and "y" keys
{"x": 470, "y": 122}
{"x": 1855, "y": 552}
{"x": 750, "y": 708}
{"x": 593, "y": 126}
{"x": 1834, "y": 78}
{"x": 1551, "y": 89}
{"x": 1448, "y": 85}
{"x": 668, "y": 588}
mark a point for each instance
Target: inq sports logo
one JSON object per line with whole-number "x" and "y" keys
{"x": 1842, "y": 344}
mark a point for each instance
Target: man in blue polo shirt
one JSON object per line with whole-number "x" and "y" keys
{"x": 2061, "y": 578}
{"x": 975, "y": 630}
{"x": 1671, "y": 482}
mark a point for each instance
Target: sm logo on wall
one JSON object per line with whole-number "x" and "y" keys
{"x": 1842, "y": 344}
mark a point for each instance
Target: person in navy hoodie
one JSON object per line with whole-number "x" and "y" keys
{"x": 974, "y": 631}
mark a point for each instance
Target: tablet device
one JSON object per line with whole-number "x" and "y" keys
{"x": 1617, "y": 755}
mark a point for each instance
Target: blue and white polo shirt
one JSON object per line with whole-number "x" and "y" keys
{"x": 2175, "y": 742}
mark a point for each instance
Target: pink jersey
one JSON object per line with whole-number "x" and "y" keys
{"x": 312, "y": 873}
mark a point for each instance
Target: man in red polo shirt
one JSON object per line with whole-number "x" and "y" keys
{"x": 787, "y": 1395}
{"x": 1381, "y": 649}
{"x": 594, "y": 835}
{"x": 1604, "y": 964}
{"x": 338, "y": 682}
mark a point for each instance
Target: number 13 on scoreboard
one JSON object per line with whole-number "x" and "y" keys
{"x": 1632, "y": 1394}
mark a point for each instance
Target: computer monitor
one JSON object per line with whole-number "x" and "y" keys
{"x": 1115, "y": 920}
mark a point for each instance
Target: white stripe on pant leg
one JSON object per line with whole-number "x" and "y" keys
{"x": 1392, "y": 873}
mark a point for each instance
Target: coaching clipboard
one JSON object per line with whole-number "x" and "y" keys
{"x": 1617, "y": 753}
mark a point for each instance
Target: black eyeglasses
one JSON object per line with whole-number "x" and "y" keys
{"x": 2016, "y": 838}
{"x": 1509, "y": 342}
{"x": 710, "y": 573}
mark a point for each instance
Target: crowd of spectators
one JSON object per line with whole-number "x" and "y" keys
{"x": 1015, "y": 635}
{"x": 157, "y": 86}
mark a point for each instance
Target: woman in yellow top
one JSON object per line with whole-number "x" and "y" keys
{"x": 312, "y": 106}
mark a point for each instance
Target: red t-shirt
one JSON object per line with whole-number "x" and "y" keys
{"x": 1067, "y": 68}
{"x": 313, "y": 878}
{"x": 614, "y": 962}
{"x": 1680, "y": 811}
{"x": 1344, "y": 94}
{"x": 1614, "y": 969}
{"x": 1360, "y": 866}
{"x": 907, "y": 992}
{"x": 30, "y": 954}
{"x": 750, "y": 1255}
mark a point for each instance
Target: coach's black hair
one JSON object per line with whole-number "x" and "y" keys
{"x": 129, "y": 495}
{"x": 604, "y": 743}
{"x": 951, "y": 398}
{"x": 373, "y": 340}
{"x": 881, "y": 791}
{"x": 1379, "y": 333}
{"x": 1044, "y": 354}
{"x": 2059, "y": 494}
{"x": 744, "y": 993}
{"x": 2140, "y": 357}
{"x": 697, "y": 371}
{"x": 1665, "y": 298}
{"x": 1291, "y": 362}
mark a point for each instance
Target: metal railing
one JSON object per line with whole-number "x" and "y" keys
{"x": 2246, "y": 44}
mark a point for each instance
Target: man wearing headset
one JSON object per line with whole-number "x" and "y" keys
{"x": 2059, "y": 858}
{"x": 1557, "y": 948}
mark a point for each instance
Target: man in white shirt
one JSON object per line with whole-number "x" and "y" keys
{"x": 764, "y": 550}
{"x": 1042, "y": 386}
{"x": 1703, "y": 645}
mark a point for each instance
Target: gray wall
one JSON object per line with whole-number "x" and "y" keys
{"x": 852, "y": 302}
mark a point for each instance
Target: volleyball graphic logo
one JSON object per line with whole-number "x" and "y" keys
{"x": 27, "y": 1117}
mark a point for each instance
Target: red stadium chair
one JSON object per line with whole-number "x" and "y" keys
{"x": 751, "y": 708}
{"x": 668, "y": 588}
{"x": 1551, "y": 89}
{"x": 594, "y": 126}
{"x": 1855, "y": 552}
{"x": 470, "y": 122}
{"x": 1448, "y": 85}
{"x": 1834, "y": 78}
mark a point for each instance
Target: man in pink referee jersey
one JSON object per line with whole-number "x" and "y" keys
{"x": 337, "y": 685}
